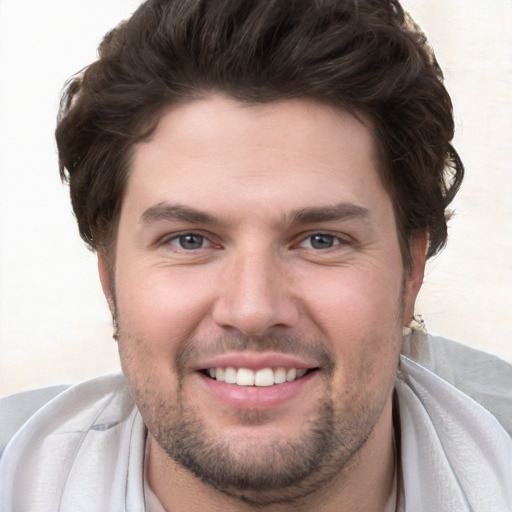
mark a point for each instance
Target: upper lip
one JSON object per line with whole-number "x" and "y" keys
{"x": 255, "y": 361}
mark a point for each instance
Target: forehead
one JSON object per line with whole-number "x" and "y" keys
{"x": 223, "y": 154}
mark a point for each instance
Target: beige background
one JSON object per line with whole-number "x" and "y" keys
{"x": 54, "y": 324}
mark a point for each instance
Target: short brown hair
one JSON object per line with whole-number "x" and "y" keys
{"x": 366, "y": 56}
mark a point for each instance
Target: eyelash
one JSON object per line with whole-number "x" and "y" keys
{"x": 337, "y": 240}
{"x": 178, "y": 236}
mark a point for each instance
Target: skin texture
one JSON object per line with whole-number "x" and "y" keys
{"x": 217, "y": 262}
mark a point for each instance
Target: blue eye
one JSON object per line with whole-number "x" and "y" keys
{"x": 322, "y": 241}
{"x": 189, "y": 241}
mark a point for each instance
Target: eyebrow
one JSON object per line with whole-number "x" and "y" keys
{"x": 308, "y": 215}
{"x": 173, "y": 212}
{"x": 341, "y": 211}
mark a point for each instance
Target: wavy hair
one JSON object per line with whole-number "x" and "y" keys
{"x": 365, "y": 56}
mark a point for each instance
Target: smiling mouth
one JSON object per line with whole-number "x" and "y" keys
{"x": 260, "y": 378}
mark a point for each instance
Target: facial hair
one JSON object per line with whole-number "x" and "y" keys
{"x": 249, "y": 469}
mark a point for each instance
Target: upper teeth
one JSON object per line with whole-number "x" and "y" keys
{"x": 263, "y": 377}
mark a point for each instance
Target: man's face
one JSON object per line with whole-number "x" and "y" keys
{"x": 257, "y": 242}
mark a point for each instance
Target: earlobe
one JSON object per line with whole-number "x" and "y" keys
{"x": 414, "y": 278}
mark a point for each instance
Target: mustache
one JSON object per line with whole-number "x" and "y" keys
{"x": 311, "y": 349}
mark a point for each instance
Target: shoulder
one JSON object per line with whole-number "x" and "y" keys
{"x": 454, "y": 406}
{"x": 16, "y": 409}
{"x": 485, "y": 378}
{"x": 89, "y": 432}
{"x": 54, "y": 405}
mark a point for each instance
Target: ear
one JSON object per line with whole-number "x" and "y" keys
{"x": 105, "y": 279}
{"x": 414, "y": 276}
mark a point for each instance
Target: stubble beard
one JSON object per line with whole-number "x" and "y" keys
{"x": 251, "y": 470}
{"x": 262, "y": 473}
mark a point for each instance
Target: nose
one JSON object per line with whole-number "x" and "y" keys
{"x": 255, "y": 295}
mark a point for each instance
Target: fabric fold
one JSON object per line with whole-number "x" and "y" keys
{"x": 84, "y": 450}
{"x": 456, "y": 457}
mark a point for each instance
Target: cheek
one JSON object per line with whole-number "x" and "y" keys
{"x": 360, "y": 317}
{"x": 355, "y": 302}
{"x": 161, "y": 308}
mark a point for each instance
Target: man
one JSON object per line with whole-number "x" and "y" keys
{"x": 263, "y": 182}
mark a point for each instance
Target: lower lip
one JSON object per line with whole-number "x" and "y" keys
{"x": 256, "y": 397}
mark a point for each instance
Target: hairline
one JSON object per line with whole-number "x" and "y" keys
{"x": 382, "y": 166}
